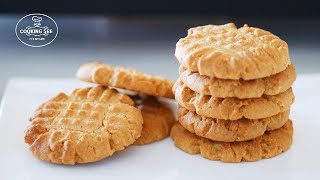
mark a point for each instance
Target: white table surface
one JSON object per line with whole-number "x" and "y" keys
{"x": 160, "y": 160}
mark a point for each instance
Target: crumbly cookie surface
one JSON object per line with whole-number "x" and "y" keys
{"x": 125, "y": 78}
{"x": 270, "y": 144}
{"x": 87, "y": 126}
{"x": 223, "y": 88}
{"x": 158, "y": 119}
{"x": 229, "y": 131}
{"x": 225, "y": 52}
{"x": 232, "y": 108}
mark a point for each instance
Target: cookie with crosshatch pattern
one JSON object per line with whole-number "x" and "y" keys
{"x": 87, "y": 126}
{"x": 125, "y": 78}
{"x": 226, "y": 52}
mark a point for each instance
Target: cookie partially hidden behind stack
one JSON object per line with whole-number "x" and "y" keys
{"x": 158, "y": 119}
{"x": 234, "y": 93}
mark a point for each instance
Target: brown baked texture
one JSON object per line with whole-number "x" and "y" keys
{"x": 271, "y": 144}
{"x": 87, "y": 126}
{"x": 224, "y": 88}
{"x": 125, "y": 78}
{"x": 158, "y": 119}
{"x": 225, "y": 52}
{"x": 229, "y": 131}
{"x": 232, "y": 108}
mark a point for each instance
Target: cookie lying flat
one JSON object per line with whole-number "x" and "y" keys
{"x": 229, "y": 131}
{"x": 232, "y": 108}
{"x": 123, "y": 78}
{"x": 158, "y": 119}
{"x": 271, "y": 144}
{"x": 226, "y": 52}
{"x": 87, "y": 126}
{"x": 223, "y": 88}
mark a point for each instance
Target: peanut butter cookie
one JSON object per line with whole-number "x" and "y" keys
{"x": 270, "y": 144}
{"x": 124, "y": 78}
{"x": 224, "y": 88}
{"x": 229, "y": 131}
{"x": 87, "y": 126}
{"x": 158, "y": 119}
{"x": 225, "y": 52}
{"x": 232, "y": 108}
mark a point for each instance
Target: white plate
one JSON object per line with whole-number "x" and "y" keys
{"x": 160, "y": 160}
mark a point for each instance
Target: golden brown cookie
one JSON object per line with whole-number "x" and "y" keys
{"x": 223, "y": 88}
{"x": 87, "y": 126}
{"x": 226, "y": 52}
{"x": 229, "y": 131}
{"x": 232, "y": 108}
{"x": 124, "y": 78}
{"x": 271, "y": 144}
{"x": 158, "y": 119}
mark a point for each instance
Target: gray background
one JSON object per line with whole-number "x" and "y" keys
{"x": 146, "y": 43}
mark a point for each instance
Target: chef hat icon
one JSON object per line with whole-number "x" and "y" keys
{"x": 36, "y": 18}
{"x": 36, "y": 21}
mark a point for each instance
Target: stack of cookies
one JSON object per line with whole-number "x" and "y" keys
{"x": 93, "y": 123}
{"x": 234, "y": 93}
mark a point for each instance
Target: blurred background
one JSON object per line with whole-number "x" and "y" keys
{"x": 143, "y": 34}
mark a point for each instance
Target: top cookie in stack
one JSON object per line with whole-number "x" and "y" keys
{"x": 226, "y": 52}
{"x": 234, "y": 84}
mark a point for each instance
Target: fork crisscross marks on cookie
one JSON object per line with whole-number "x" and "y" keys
{"x": 226, "y": 52}
{"x": 86, "y": 126}
{"x": 125, "y": 78}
